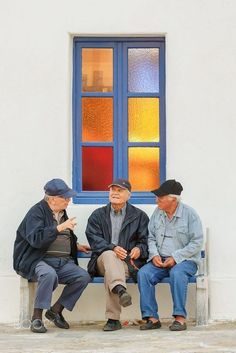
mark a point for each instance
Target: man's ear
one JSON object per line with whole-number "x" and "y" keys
{"x": 129, "y": 195}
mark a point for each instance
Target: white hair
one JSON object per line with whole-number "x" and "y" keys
{"x": 178, "y": 198}
{"x": 47, "y": 197}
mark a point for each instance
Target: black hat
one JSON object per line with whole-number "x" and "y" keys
{"x": 57, "y": 187}
{"x": 123, "y": 183}
{"x": 168, "y": 187}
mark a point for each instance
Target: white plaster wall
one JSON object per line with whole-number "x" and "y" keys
{"x": 35, "y": 115}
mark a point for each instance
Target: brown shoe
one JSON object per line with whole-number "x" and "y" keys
{"x": 150, "y": 325}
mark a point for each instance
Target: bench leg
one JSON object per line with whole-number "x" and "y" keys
{"x": 26, "y": 301}
{"x": 202, "y": 301}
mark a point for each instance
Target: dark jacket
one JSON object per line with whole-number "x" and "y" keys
{"x": 134, "y": 232}
{"x": 34, "y": 235}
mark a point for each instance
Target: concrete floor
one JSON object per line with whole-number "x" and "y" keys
{"x": 89, "y": 338}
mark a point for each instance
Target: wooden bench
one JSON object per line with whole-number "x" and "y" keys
{"x": 27, "y": 290}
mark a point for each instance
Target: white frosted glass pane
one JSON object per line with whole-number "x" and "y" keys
{"x": 143, "y": 70}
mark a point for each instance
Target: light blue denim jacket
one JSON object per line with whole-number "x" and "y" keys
{"x": 187, "y": 237}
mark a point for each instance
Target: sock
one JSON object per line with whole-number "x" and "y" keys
{"x": 57, "y": 308}
{"x": 119, "y": 289}
{"x": 37, "y": 314}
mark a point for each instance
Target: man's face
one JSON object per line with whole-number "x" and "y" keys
{"x": 60, "y": 203}
{"x": 118, "y": 195}
{"x": 166, "y": 202}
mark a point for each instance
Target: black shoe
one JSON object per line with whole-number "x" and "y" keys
{"x": 177, "y": 326}
{"x": 37, "y": 326}
{"x": 112, "y": 325}
{"x": 150, "y": 325}
{"x": 125, "y": 299}
{"x": 57, "y": 318}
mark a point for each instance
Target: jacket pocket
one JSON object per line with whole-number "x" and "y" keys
{"x": 182, "y": 235}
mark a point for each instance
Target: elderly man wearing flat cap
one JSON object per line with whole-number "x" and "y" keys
{"x": 117, "y": 234}
{"x": 175, "y": 241}
{"x": 45, "y": 251}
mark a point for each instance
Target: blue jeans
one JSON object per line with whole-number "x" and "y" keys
{"x": 149, "y": 275}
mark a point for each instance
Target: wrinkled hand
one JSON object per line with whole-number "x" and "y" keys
{"x": 156, "y": 260}
{"x": 169, "y": 262}
{"x": 68, "y": 224}
{"x": 83, "y": 248}
{"x": 135, "y": 253}
{"x": 120, "y": 252}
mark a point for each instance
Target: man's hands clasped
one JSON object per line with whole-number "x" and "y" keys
{"x": 168, "y": 263}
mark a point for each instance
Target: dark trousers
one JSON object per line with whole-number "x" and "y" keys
{"x": 53, "y": 271}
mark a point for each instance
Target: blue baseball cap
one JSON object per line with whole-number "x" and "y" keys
{"x": 57, "y": 187}
{"x": 123, "y": 183}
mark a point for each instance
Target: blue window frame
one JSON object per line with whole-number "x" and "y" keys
{"x": 120, "y": 96}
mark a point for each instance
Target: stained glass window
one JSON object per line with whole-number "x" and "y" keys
{"x": 119, "y": 116}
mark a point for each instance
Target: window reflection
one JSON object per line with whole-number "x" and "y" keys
{"x": 97, "y": 70}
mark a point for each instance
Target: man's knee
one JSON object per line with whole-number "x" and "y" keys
{"x": 108, "y": 257}
{"x": 177, "y": 273}
{"x": 85, "y": 278}
{"x": 109, "y": 254}
{"x": 143, "y": 272}
{"x": 49, "y": 277}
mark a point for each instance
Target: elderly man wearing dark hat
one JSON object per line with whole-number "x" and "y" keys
{"x": 175, "y": 241}
{"x": 117, "y": 234}
{"x": 45, "y": 251}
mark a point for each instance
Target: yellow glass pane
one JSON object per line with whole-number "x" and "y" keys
{"x": 97, "y": 119}
{"x": 143, "y": 115}
{"x": 97, "y": 70}
{"x": 144, "y": 173}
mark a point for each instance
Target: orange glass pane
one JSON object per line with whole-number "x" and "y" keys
{"x": 143, "y": 115}
{"x": 97, "y": 119}
{"x": 97, "y": 70}
{"x": 144, "y": 173}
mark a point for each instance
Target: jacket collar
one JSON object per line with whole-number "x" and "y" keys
{"x": 48, "y": 209}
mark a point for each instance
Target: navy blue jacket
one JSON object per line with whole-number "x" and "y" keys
{"x": 134, "y": 232}
{"x": 33, "y": 237}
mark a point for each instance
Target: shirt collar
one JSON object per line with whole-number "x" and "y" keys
{"x": 122, "y": 211}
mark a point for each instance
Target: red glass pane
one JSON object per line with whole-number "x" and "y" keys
{"x": 97, "y": 168}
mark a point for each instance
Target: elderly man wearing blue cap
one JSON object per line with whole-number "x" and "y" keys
{"x": 117, "y": 234}
{"x": 45, "y": 251}
{"x": 174, "y": 242}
